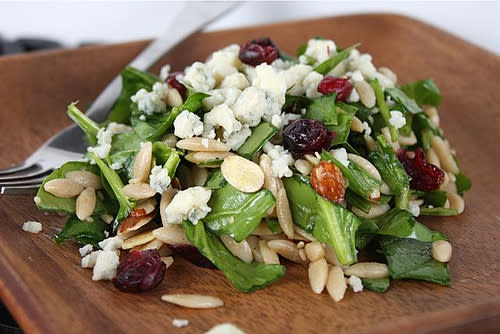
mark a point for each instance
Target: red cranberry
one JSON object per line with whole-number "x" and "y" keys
{"x": 259, "y": 51}
{"x": 140, "y": 271}
{"x": 330, "y": 85}
{"x": 306, "y": 136}
{"x": 191, "y": 254}
{"x": 174, "y": 83}
{"x": 424, "y": 175}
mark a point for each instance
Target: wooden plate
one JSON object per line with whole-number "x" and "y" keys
{"x": 47, "y": 291}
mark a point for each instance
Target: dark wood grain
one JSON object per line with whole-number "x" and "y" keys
{"x": 47, "y": 291}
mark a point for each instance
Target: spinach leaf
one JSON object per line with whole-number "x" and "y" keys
{"x": 345, "y": 113}
{"x": 408, "y": 104}
{"x": 260, "y": 135}
{"x": 463, "y": 183}
{"x": 435, "y": 198}
{"x": 124, "y": 148}
{"x": 215, "y": 180}
{"x": 378, "y": 285}
{"x": 384, "y": 110}
{"x": 358, "y": 179}
{"x": 334, "y": 60}
{"x": 247, "y": 277}
{"x": 286, "y": 57}
{"x": 295, "y": 103}
{"x": 236, "y": 213}
{"x": 328, "y": 222}
{"x": 392, "y": 172}
{"x": 132, "y": 80}
{"x": 366, "y": 232}
{"x": 166, "y": 156}
{"x": 50, "y": 202}
{"x": 83, "y": 232}
{"x": 88, "y": 126}
{"x": 273, "y": 225}
{"x": 424, "y": 129}
{"x": 426, "y": 211}
{"x": 323, "y": 110}
{"x": 412, "y": 259}
{"x": 424, "y": 92}
{"x": 301, "y": 50}
{"x": 116, "y": 184}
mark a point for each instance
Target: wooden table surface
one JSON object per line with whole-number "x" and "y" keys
{"x": 46, "y": 290}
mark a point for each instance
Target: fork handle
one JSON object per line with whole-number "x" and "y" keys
{"x": 193, "y": 17}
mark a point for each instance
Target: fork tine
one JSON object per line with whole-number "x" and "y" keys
{"x": 16, "y": 168}
{"x": 21, "y": 190}
{"x": 27, "y": 174}
{"x": 23, "y": 182}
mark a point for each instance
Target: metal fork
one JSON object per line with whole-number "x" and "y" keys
{"x": 67, "y": 145}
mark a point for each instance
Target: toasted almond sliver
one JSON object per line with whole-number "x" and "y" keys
{"x": 137, "y": 240}
{"x": 287, "y": 249}
{"x": 166, "y": 198}
{"x": 203, "y": 159}
{"x": 134, "y": 222}
{"x": 170, "y": 140}
{"x": 174, "y": 99}
{"x": 268, "y": 255}
{"x": 142, "y": 163}
{"x": 389, "y": 74}
{"x": 318, "y": 275}
{"x": 153, "y": 244}
{"x": 314, "y": 251}
{"x": 63, "y": 188}
{"x": 243, "y": 174}
{"x": 85, "y": 178}
{"x": 138, "y": 191}
{"x": 85, "y": 203}
{"x": 193, "y": 301}
{"x": 171, "y": 235}
{"x": 443, "y": 152}
{"x": 253, "y": 241}
{"x": 283, "y": 212}
{"x": 357, "y": 125}
{"x": 407, "y": 141}
{"x": 303, "y": 166}
{"x": 336, "y": 284}
{"x": 168, "y": 260}
{"x": 199, "y": 175}
{"x": 366, "y": 93}
{"x": 262, "y": 230}
{"x": 441, "y": 251}
{"x": 300, "y": 234}
{"x": 365, "y": 164}
{"x": 241, "y": 250}
{"x": 312, "y": 159}
{"x": 456, "y": 202}
{"x": 147, "y": 205}
{"x": 270, "y": 181}
{"x": 375, "y": 210}
{"x": 199, "y": 144}
{"x": 387, "y": 135}
{"x": 368, "y": 270}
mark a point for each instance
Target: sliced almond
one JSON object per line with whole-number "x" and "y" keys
{"x": 170, "y": 140}
{"x": 300, "y": 234}
{"x": 366, "y": 93}
{"x": 357, "y": 125}
{"x": 153, "y": 244}
{"x": 303, "y": 166}
{"x": 283, "y": 212}
{"x": 241, "y": 250}
{"x": 174, "y": 99}
{"x": 166, "y": 198}
{"x": 199, "y": 175}
{"x": 253, "y": 241}
{"x": 135, "y": 220}
{"x": 368, "y": 270}
{"x": 389, "y": 74}
{"x": 268, "y": 255}
{"x": 199, "y": 144}
{"x": 336, "y": 284}
{"x": 168, "y": 260}
{"x": 193, "y": 301}
{"x": 85, "y": 203}
{"x": 171, "y": 235}
{"x": 142, "y": 163}
{"x": 375, "y": 210}
{"x": 204, "y": 159}
{"x": 365, "y": 164}
{"x": 243, "y": 174}
{"x": 63, "y": 188}
{"x": 138, "y": 191}
{"x": 443, "y": 152}
{"x": 318, "y": 275}
{"x": 287, "y": 249}
{"x": 314, "y": 251}
{"x": 137, "y": 240}
{"x": 85, "y": 178}
{"x": 262, "y": 230}
{"x": 407, "y": 141}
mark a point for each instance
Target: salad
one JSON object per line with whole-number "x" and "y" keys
{"x": 255, "y": 159}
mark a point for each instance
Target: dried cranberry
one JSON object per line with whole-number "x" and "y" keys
{"x": 330, "y": 85}
{"x": 306, "y": 136}
{"x": 424, "y": 175}
{"x": 328, "y": 181}
{"x": 140, "y": 271}
{"x": 174, "y": 83}
{"x": 191, "y": 254}
{"x": 259, "y": 51}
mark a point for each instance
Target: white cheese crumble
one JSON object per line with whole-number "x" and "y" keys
{"x": 294, "y": 76}
{"x": 281, "y": 64}
{"x": 152, "y": 102}
{"x": 88, "y": 261}
{"x": 142, "y": 117}
{"x": 356, "y": 284}
{"x": 104, "y": 138}
{"x": 367, "y": 130}
{"x": 355, "y": 76}
{"x": 397, "y": 119}
{"x": 37, "y": 200}
{"x": 276, "y": 121}
{"x": 159, "y": 179}
{"x": 225, "y": 62}
{"x": 362, "y": 63}
{"x": 271, "y": 81}
{"x": 85, "y": 250}
{"x": 223, "y": 116}
{"x": 164, "y": 72}
{"x": 111, "y": 244}
{"x": 235, "y": 80}
{"x": 32, "y": 227}
{"x": 341, "y": 155}
{"x": 235, "y": 140}
{"x": 310, "y": 83}
{"x": 188, "y": 204}
{"x": 250, "y": 106}
{"x": 281, "y": 160}
{"x": 180, "y": 322}
{"x": 116, "y": 166}
{"x": 287, "y": 118}
{"x": 225, "y": 328}
{"x": 354, "y": 96}
{"x": 199, "y": 77}
{"x": 414, "y": 207}
{"x": 105, "y": 265}
{"x": 227, "y": 95}
{"x": 320, "y": 49}
{"x": 187, "y": 125}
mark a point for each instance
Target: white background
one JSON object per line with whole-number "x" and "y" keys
{"x": 74, "y": 22}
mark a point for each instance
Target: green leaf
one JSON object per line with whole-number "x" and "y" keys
{"x": 424, "y": 129}
{"x": 295, "y": 103}
{"x": 424, "y": 92}
{"x": 83, "y": 232}
{"x": 366, "y": 232}
{"x": 435, "y": 198}
{"x": 358, "y": 179}
{"x": 426, "y": 211}
{"x": 301, "y": 50}
{"x": 247, "y": 277}
{"x": 215, "y": 180}
{"x": 116, "y": 184}
{"x": 132, "y": 81}
{"x": 333, "y": 61}
{"x": 463, "y": 183}
{"x": 260, "y": 135}
{"x": 50, "y": 202}
{"x": 408, "y": 104}
{"x": 323, "y": 110}
{"x": 412, "y": 259}
{"x": 88, "y": 126}
{"x": 384, "y": 110}
{"x": 328, "y": 222}
{"x": 392, "y": 172}
{"x": 378, "y": 285}
{"x": 345, "y": 114}
{"x": 286, "y": 57}
{"x": 235, "y": 213}
{"x": 124, "y": 148}
{"x": 166, "y": 156}
{"x": 273, "y": 225}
